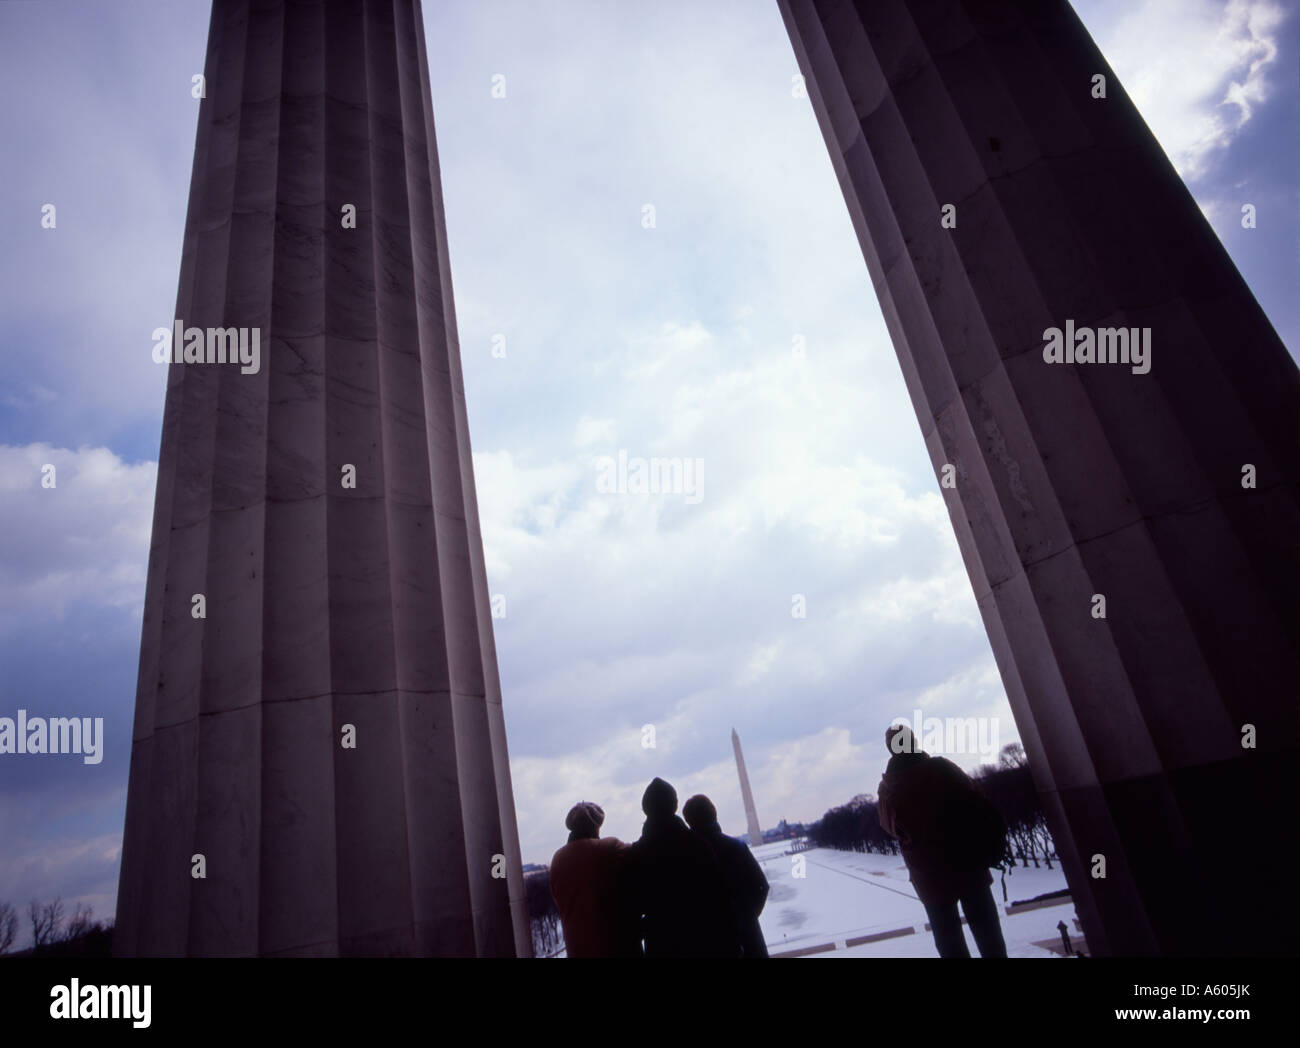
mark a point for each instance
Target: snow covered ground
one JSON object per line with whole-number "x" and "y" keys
{"x": 848, "y": 894}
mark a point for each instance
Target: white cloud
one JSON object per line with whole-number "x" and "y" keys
{"x": 1196, "y": 69}
{"x": 630, "y": 610}
{"x": 760, "y": 661}
{"x": 594, "y": 432}
{"x": 84, "y": 541}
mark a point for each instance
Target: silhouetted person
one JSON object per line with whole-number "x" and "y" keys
{"x": 1065, "y": 938}
{"x": 746, "y": 884}
{"x": 584, "y": 884}
{"x": 673, "y": 884}
{"x": 915, "y": 802}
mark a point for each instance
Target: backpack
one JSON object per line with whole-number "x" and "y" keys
{"x": 976, "y": 831}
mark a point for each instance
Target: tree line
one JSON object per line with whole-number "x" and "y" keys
{"x": 55, "y": 932}
{"x": 544, "y": 918}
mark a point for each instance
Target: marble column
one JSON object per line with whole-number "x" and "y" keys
{"x": 318, "y": 714}
{"x": 1000, "y": 189}
{"x": 746, "y": 794}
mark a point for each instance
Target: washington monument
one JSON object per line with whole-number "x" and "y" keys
{"x": 747, "y": 795}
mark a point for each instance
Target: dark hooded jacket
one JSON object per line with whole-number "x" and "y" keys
{"x": 917, "y": 802}
{"x": 671, "y": 883}
{"x": 746, "y": 885}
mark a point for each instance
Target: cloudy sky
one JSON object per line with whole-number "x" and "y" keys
{"x": 741, "y": 330}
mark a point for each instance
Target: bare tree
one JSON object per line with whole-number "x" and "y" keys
{"x": 1043, "y": 836}
{"x": 1021, "y": 832}
{"x": 79, "y": 923}
{"x": 8, "y": 926}
{"x": 46, "y": 919}
{"x": 545, "y": 918}
{"x": 1012, "y": 755}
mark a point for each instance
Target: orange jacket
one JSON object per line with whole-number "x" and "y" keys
{"x": 584, "y": 876}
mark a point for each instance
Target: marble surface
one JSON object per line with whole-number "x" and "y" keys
{"x": 326, "y": 606}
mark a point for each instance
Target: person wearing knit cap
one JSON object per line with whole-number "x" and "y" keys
{"x": 584, "y": 884}
{"x": 672, "y": 883}
{"x": 659, "y": 799}
{"x": 584, "y": 821}
{"x": 747, "y": 886}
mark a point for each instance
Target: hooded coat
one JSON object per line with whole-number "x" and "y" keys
{"x": 746, "y": 884}
{"x": 917, "y": 800}
{"x": 673, "y": 888}
{"x": 674, "y": 885}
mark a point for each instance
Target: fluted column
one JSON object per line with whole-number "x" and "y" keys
{"x": 998, "y": 193}
{"x": 328, "y": 734}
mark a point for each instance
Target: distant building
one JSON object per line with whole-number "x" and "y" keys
{"x": 784, "y": 831}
